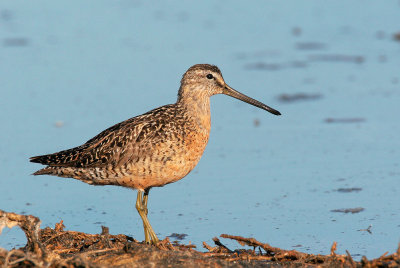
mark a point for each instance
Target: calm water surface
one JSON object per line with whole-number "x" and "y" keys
{"x": 70, "y": 70}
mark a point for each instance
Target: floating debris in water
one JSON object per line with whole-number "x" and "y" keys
{"x": 367, "y": 230}
{"x": 348, "y": 210}
{"x": 296, "y": 31}
{"x": 396, "y": 36}
{"x": 298, "y": 97}
{"x": 348, "y": 190}
{"x": 59, "y": 124}
{"x": 256, "y": 122}
{"x": 345, "y": 120}
{"x": 310, "y": 46}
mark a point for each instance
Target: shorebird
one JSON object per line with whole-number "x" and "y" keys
{"x": 153, "y": 149}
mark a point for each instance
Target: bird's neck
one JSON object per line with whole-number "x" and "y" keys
{"x": 196, "y": 109}
{"x": 195, "y": 104}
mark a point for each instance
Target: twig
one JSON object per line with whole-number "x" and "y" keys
{"x": 352, "y": 263}
{"x": 253, "y": 243}
{"x": 333, "y": 249}
{"x": 218, "y": 243}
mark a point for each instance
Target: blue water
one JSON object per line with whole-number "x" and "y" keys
{"x": 71, "y": 69}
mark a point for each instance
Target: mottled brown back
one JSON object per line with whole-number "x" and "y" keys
{"x": 110, "y": 146}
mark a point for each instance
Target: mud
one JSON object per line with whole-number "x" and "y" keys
{"x": 60, "y": 248}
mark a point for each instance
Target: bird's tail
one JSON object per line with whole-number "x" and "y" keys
{"x": 42, "y": 159}
{"x": 47, "y": 171}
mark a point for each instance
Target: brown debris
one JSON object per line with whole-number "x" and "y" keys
{"x": 60, "y": 248}
{"x": 333, "y": 249}
{"x": 29, "y": 224}
{"x": 396, "y": 36}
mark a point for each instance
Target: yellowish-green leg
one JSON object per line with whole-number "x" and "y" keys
{"x": 154, "y": 239}
{"x": 141, "y": 206}
{"x": 140, "y": 209}
{"x": 144, "y": 202}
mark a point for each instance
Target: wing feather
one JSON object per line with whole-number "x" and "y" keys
{"x": 113, "y": 146}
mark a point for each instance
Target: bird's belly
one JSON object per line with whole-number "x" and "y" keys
{"x": 169, "y": 162}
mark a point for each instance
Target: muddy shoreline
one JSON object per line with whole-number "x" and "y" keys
{"x": 60, "y": 248}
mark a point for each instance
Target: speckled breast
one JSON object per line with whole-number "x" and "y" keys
{"x": 172, "y": 159}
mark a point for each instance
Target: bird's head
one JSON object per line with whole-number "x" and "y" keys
{"x": 204, "y": 80}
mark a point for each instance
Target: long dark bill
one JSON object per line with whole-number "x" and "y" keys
{"x": 236, "y": 94}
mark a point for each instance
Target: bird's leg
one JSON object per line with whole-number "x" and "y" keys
{"x": 145, "y": 210}
{"x": 150, "y": 230}
{"x": 141, "y": 206}
{"x": 144, "y": 202}
{"x": 141, "y": 211}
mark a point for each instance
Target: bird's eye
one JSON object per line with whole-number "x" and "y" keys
{"x": 210, "y": 76}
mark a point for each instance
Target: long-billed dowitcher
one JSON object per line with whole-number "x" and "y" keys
{"x": 153, "y": 149}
